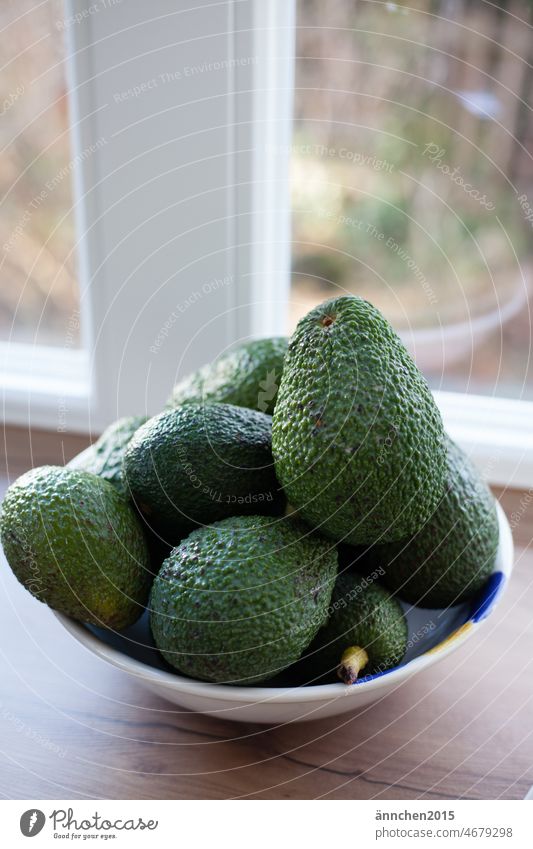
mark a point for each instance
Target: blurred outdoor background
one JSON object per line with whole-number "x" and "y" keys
{"x": 38, "y": 283}
{"x": 412, "y": 178}
{"x": 394, "y": 107}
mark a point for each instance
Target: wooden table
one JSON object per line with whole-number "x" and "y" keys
{"x": 73, "y": 727}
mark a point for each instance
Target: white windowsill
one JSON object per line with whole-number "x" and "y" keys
{"x": 45, "y": 387}
{"x": 496, "y": 432}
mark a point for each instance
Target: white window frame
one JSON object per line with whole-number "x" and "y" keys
{"x": 75, "y": 390}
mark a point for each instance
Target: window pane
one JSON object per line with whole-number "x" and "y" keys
{"x": 38, "y": 287}
{"x": 412, "y": 178}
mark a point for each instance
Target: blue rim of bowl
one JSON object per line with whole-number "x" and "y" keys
{"x": 482, "y": 607}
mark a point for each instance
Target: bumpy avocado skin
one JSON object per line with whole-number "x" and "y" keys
{"x": 451, "y": 557}
{"x": 356, "y": 436}
{"x": 364, "y": 614}
{"x": 240, "y": 600}
{"x": 247, "y": 377}
{"x": 198, "y": 464}
{"x": 104, "y": 457}
{"x": 76, "y": 545}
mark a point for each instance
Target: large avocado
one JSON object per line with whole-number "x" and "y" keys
{"x": 240, "y": 600}
{"x": 451, "y": 557}
{"x": 357, "y": 438}
{"x": 74, "y": 542}
{"x": 248, "y": 376}
{"x": 104, "y": 457}
{"x": 197, "y": 464}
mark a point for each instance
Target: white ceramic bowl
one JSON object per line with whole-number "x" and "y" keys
{"x": 433, "y": 635}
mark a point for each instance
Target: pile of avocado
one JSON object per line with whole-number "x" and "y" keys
{"x": 272, "y": 517}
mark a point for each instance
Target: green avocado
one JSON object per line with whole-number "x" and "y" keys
{"x": 450, "y": 558}
{"x": 74, "y": 542}
{"x": 197, "y": 464}
{"x": 248, "y": 376}
{"x": 241, "y": 599}
{"x": 366, "y": 623}
{"x": 357, "y": 439}
{"x": 104, "y": 457}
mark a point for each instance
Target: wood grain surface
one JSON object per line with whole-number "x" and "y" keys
{"x": 73, "y": 727}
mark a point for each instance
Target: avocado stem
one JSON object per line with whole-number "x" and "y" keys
{"x": 353, "y": 660}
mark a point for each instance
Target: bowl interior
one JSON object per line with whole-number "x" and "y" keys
{"x": 134, "y": 650}
{"x": 427, "y": 629}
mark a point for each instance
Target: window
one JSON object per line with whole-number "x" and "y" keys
{"x": 39, "y": 297}
{"x": 43, "y": 363}
{"x": 163, "y": 135}
{"x": 192, "y": 123}
{"x": 412, "y": 180}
